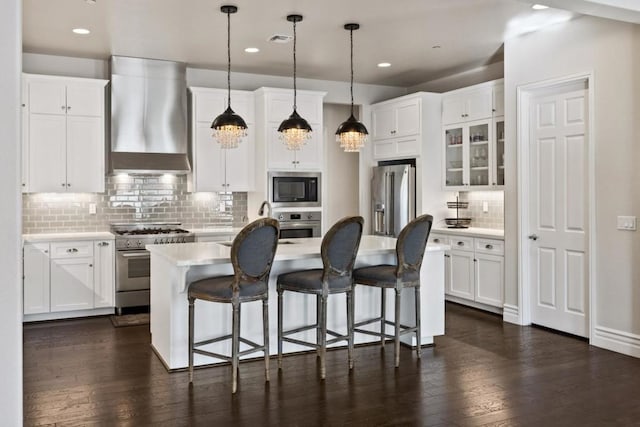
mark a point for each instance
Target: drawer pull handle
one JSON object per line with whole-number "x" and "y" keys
{"x": 460, "y": 243}
{"x": 447, "y": 256}
{"x": 72, "y": 250}
{"x": 488, "y": 246}
{"x": 436, "y": 240}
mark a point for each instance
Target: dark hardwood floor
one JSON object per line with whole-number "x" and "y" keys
{"x": 482, "y": 372}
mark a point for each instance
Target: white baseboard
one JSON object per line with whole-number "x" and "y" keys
{"x": 478, "y": 305}
{"x": 615, "y": 340}
{"x": 68, "y": 314}
{"x": 511, "y": 314}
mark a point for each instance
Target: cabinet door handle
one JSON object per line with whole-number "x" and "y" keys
{"x": 24, "y": 105}
{"x": 46, "y": 251}
{"x": 90, "y": 265}
{"x": 436, "y": 240}
{"x": 460, "y": 243}
{"x": 488, "y": 246}
{"x": 533, "y": 237}
{"x": 68, "y": 185}
{"x": 63, "y": 108}
{"x": 447, "y": 256}
{"x": 68, "y": 108}
{"x": 475, "y": 260}
{"x": 63, "y": 184}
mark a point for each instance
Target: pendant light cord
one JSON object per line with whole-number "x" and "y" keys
{"x": 294, "y": 65}
{"x": 351, "y": 41}
{"x": 229, "y": 59}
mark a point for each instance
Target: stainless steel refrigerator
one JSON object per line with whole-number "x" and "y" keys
{"x": 393, "y": 198}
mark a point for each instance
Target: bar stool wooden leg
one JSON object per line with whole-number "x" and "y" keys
{"x": 396, "y": 350}
{"x": 235, "y": 346}
{"x": 191, "y": 316}
{"x": 350, "y": 305}
{"x": 265, "y": 332}
{"x": 383, "y": 314}
{"x": 280, "y": 329}
{"x": 323, "y": 337}
{"x": 318, "y": 322}
{"x": 418, "y": 333}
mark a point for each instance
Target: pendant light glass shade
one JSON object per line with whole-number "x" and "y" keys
{"x": 294, "y": 131}
{"x": 229, "y": 128}
{"x": 351, "y": 134}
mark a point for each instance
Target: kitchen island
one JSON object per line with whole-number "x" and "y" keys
{"x": 173, "y": 266}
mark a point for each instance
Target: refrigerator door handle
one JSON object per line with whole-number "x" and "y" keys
{"x": 390, "y": 202}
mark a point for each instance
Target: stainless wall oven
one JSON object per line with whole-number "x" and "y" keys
{"x": 295, "y": 189}
{"x": 295, "y": 225}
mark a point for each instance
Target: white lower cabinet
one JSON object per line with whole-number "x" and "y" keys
{"x": 68, "y": 277}
{"x": 103, "y": 274}
{"x": 36, "y": 278}
{"x": 71, "y": 284}
{"x": 474, "y": 269}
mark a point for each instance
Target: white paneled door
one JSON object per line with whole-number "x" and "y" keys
{"x": 558, "y": 220}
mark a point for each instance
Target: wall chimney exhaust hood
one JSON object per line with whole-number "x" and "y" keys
{"x": 148, "y": 116}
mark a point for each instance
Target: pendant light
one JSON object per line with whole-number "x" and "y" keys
{"x": 229, "y": 128}
{"x": 351, "y": 134}
{"x": 294, "y": 131}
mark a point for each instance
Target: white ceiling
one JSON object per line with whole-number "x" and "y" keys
{"x": 402, "y": 32}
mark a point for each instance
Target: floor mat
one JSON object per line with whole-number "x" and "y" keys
{"x": 130, "y": 320}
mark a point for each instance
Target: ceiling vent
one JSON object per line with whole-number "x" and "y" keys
{"x": 280, "y": 38}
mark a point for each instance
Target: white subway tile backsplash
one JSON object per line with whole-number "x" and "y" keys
{"x": 130, "y": 199}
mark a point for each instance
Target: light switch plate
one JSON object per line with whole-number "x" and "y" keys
{"x": 92, "y": 208}
{"x": 485, "y": 207}
{"x": 627, "y": 223}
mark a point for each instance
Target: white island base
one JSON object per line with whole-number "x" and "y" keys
{"x": 174, "y": 266}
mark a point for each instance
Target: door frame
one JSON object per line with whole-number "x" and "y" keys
{"x": 524, "y": 94}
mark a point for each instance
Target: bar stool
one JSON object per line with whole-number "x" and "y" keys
{"x": 338, "y": 250}
{"x": 410, "y": 248}
{"x": 252, "y": 254}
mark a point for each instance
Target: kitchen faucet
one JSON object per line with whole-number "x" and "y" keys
{"x": 261, "y": 210}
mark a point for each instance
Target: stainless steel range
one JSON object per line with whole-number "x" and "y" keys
{"x": 133, "y": 262}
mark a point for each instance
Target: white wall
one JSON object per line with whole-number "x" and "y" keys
{"x": 611, "y": 51}
{"x": 340, "y": 179}
{"x": 10, "y": 222}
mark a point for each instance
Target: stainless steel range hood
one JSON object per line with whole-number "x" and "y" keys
{"x": 148, "y": 116}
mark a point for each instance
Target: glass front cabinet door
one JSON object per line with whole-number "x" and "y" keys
{"x": 468, "y": 155}
{"x": 498, "y": 174}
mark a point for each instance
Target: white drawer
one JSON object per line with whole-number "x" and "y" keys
{"x": 490, "y": 246}
{"x": 460, "y": 243}
{"x": 78, "y": 249}
{"x": 438, "y": 239}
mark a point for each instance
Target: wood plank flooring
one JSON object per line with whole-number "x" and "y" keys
{"x": 482, "y": 372}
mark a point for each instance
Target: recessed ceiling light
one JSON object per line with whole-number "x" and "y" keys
{"x": 384, "y": 64}
{"x": 539, "y": 7}
{"x": 252, "y": 50}
{"x": 82, "y": 31}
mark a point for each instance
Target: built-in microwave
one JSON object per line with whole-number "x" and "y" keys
{"x": 294, "y": 189}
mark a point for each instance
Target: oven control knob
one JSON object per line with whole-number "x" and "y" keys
{"x": 128, "y": 243}
{"x": 309, "y": 216}
{"x": 281, "y": 217}
{"x": 139, "y": 243}
{"x": 165, "y": 240}
{"x": 172, "y": 240}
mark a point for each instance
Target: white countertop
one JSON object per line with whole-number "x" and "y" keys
{"x": 492, "y": 233}
{"x": 215, "y": 231}
{"x": 202, "y": 253}
{"x": 84, "y": 235}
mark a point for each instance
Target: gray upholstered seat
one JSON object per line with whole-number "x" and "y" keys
{"x": 410, "y": 248}
{"x": 252, "y": 254}
{"x": 338, "y": 251}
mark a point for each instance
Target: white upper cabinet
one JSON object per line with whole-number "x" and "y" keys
{"x": 63, "y": 134}
{"x": 467, "y": 105}
{"x": 401, "y": 127}
{"x": 215, "y": 168}
{"x": 396, "y": 119}
{"x": 473, "y": 133}
{"x": 276, "y": 105}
